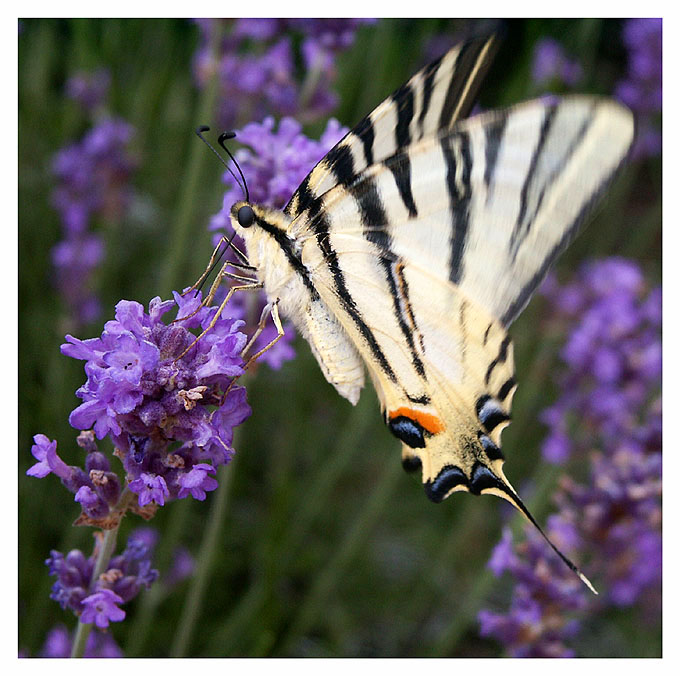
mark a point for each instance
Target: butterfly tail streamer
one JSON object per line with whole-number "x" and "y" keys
{"x": 505, "y": 491}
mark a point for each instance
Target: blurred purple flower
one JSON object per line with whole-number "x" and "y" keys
{"x": 613, "y": 352}
{"x": 182, "y": 567}
{"x": 551, "y": 65}
{"x": 619, "y": 518}
{"x": 256, "y": 65}
{"x": 641, "y": 89}
{"x": 610, "y": 401}
{"x": 89, "y": 89}
{"x": 274, "y": 165}
{"x": 99, "y": 644}
{"x": 545, "y": 597}
{"x": 97, "y": 600}
{"x": 277, "y": 161}
{"x": 92, "y": 180}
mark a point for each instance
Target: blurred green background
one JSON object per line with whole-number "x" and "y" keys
{"x": 324, "y": 546}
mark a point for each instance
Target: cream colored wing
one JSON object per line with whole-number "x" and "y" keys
{"x": 426, "y": 279}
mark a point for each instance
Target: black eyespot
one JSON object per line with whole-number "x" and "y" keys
{"x": 409, "y": 431}
{"x": 483, "y": 477}
{"x": 411, "y": 463}
{"x": 449, "y": 477}
{"x": 246, "y": 216}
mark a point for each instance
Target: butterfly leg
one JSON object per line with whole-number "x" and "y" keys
{"x": 272, "y": 309}
{"x": 211, "y": 262}
{"x": 243, "y": 265}
{"x": 224, "y": 272}
{"x": 218, "y": 314}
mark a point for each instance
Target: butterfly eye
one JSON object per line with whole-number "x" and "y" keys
{"x": 246, "y": 216}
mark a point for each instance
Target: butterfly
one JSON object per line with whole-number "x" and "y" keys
{"x": 412, "y": 246}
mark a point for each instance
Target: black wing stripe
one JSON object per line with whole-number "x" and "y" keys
{"x": 287, "y": 247}
{"x": 403, "y": 102}
{"x": 505, "y": 388}
{"x": 549, "y": 182}
{"x": 493, "y": 134}
{"x": 400, "y": 166}
{"x": 500, "y": 359}
{"x": 528, "y": 289}
{"x": 459, "y": 200}
{"x": 375, "y": 222}
{"x": 366, "y": 133}
{"x": 388, "y": 266}
{"x": 429, "y": 73}
{"x": 544, "y": 132}
{"x": 320, "y": 225}
{"x": 341, "y": 162}
{"x": 471, "y": 66}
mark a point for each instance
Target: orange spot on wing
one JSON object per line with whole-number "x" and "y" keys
{"x": 427, "y": 421}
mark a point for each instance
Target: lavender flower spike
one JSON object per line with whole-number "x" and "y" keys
{"x": 170, "y": 417}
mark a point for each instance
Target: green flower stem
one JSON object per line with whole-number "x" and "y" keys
{"x": 204, "y": 563}
{"x": 142, "y": 622}
{"x": 330, "y": 576}
{"x": 320, "y": 486}
{"x": 106, "y": 549}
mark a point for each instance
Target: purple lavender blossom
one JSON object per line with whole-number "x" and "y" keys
{"x": 545, "y": 598}
{"x": 92, "y": 180}
{"x": 278, "y": 162}
{"x": 98, "y": 600}
{"x": 552, "y": 65}
{"x": 613, "y": 353}
{"x": 45, "y": 452}
{"x": 256, "y": 65}
{"x": 101, "y": 608}
{"x": 168, "y": 415}
{"x": 612, "y": 390}
{"x": 641, "y": 89}
{"x": 89, "y": 89}
{"x": 97, "y": 489}
{"x": 99, "y": 644}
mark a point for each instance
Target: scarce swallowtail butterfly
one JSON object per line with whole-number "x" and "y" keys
{"x": 413, "y": 245}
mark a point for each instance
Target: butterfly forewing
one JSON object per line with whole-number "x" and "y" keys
{"x": 435, "y": 98}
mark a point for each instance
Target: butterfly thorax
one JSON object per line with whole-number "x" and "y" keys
{"x": 276, "y": 257}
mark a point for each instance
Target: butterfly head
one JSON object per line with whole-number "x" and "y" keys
{"x": 245, "y": 216}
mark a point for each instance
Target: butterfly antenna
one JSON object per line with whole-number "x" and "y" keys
{"x": 225, "y": 135}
